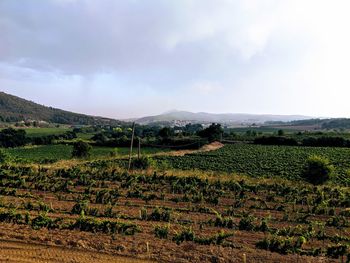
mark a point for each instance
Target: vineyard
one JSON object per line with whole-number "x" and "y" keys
{"x": 174, "y": 216}
{"x": 56, "y": 152}
{"x": 265, "y": 161}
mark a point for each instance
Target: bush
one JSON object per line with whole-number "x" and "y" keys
{"x": 161, "y": 231}
{"x": 318, "y": 170}
{"x": 142, "y": 163}
{"x": 12, "y": 138}
{"x": 247, "y": 223}
{"x": 79, "y": 207}
{"x": 81, "y": 150}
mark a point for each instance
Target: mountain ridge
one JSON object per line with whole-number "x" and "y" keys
{"x": 217, "y": 117}
{"x": 16, "y": 109}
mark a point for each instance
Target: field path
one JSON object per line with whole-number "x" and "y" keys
{"x": 206, "y": 148}
{"x": 15, "y": 251}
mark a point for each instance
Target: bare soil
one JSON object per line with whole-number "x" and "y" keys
{"x": 16, "y": 251}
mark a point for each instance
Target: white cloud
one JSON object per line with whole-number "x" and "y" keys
{"x": 249, "y": 55}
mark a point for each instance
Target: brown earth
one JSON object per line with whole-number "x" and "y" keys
{"x": 16, "y": 251}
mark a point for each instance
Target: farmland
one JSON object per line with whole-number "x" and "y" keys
{"x": 173, "y": 217}
{"x": 264, "y": 161}
{"x": 53, "y": 153}
{"x": 219, "y": 203}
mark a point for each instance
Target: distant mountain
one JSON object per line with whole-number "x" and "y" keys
{"x": 15, "y": 109}
{"x": 228, "y": 118}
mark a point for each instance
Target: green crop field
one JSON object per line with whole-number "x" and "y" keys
{"x": 37, "y": 132}
{"x": 63, "y": 152}
{"x": 263, "y": 161}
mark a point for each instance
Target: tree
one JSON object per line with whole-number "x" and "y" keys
{"x": 165, "y": 132}
{"x": 81, "y": 150}
{"x": 12, "y": 137}
{"x": 213, "y": 132}
{"x": 280, "y": 132}
{"x": 318, "y": 170}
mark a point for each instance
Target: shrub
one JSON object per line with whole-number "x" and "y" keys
{"x": 161, "y": 231}
{"x": 186, "y": 234}
{"x": 42, "y": 220}
{"x": 156, "y": 215}
{"x": 81, "y": 150}
{"x": 80, "y": 207}
{"x": 318, "y": 170}
{"x": 337, "y": 251}
{"x": 246, "y": 223}
{"x": 142, "y": 163}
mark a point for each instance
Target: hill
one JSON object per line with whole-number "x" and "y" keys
{"x": 15, "y": 109}
{"x": 228, "y": 118}
{"x": 315, "y": 124}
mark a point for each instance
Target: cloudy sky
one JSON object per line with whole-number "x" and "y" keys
{"x": 128, "y": 58}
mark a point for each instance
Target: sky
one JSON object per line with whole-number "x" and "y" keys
{"x": 132, "y": 58}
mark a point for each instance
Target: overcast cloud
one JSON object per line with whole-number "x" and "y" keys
{"x": 134, "y": 57}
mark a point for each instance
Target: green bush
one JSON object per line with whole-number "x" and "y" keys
{"x": 42, "y": 220}
{"x": 81, "y": 150}
{"x": 79, "y": 207}
{"x": 142, "y": 163}
{"x": 161, "y": 231}
{"x": 318, "y": 170}
{"x": 247, "y": 223}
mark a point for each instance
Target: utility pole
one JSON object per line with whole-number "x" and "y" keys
{"x": 132, "y": 142}
{"x": 139, "y": 149}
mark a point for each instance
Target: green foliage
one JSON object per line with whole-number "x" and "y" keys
{"x": 53, "y": 153}
{"x": 283, "y": 245}
{"x": 15, "y": 109}
{"x": 81, "y": 150}
{"x": 4, "y": 157}
{"x": 337, "y": 251}
{"x": 104, "y": 226}
{"x": 10, "y": 216}
{"x": 186, "y": 234}
{"x": 42, "y": 220}
{"x": 165, "y": 132}
{"x": 161, "y": 231}
{"x": 318, "y": 170}
{"x": 157, "y": 214}
{"x": 287, "y": 162}
{"x": 247, "y": 223}
{"x": 213, "y": 132}
{"x": 143, "y": 163}
{"x": 280, "y": 132}
{"x": 12, "y": 137}
{"x": 79, "y": 207}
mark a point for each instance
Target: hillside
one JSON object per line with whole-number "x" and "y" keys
{"x": 229, "y": 118}
{"x": 316, "y": 124}
{"x": 14, "y": 109}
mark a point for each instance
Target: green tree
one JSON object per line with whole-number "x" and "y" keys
{"x": 81, "y": 150}
{"x": 213, "y": 132}
{"x": 12, "y": 137}
{"x": 165, "y": 132}
{"x": 280, "y": 132}
{"x": 318, "y": 170}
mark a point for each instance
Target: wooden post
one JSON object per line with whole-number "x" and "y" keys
{"x": 132, "y": 142}
{"x": 139, "y": 149}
